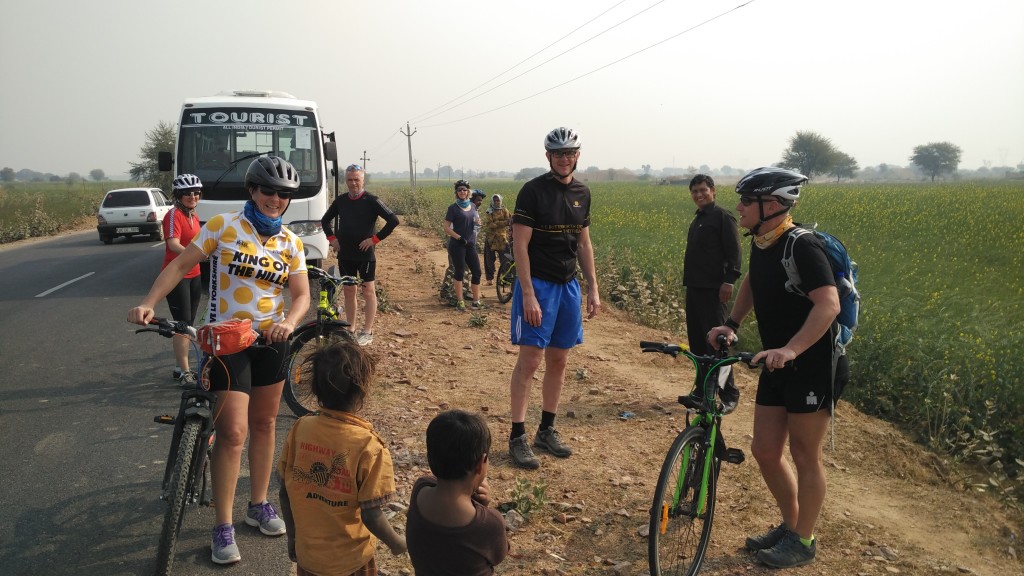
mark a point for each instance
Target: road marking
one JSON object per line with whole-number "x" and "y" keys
{"x": 55, "y": 288}
{"x": 157, "y": 244}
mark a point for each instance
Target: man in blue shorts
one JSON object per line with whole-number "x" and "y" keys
{"x": 551, "y": 234}
{"x": 802, "y": 377}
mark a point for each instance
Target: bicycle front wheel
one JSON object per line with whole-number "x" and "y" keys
{"x": 298, "y": 393}
{"x": 684, "y": 506}
{"x": 179, "y": 490}
{"x": 504, "y": 281}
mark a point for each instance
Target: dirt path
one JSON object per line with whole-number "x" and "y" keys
{"x": 887, "y": 511}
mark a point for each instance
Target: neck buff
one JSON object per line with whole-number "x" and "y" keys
{"x": 766, "y": 240}
{"x": 463, "y": 203}
{"x": 265, "y": 225}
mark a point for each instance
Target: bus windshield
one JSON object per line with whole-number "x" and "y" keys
{"x": 218, "y": 144}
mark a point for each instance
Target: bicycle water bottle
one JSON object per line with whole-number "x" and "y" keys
{"x": 843, "y": 285}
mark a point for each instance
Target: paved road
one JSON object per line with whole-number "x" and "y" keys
{"x": 81, "y": 459}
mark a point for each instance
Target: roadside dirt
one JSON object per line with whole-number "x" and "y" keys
{"x": 888, "y": 510}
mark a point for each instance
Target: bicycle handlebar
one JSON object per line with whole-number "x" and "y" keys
{"x": 676, "y": 349}
{"x": 168, "y": 328}
{"x": 320, "y": 273}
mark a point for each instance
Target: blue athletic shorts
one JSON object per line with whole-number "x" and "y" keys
{"x": 561, "y": 317}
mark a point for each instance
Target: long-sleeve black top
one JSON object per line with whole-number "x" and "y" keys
{"x": 358, "y": 220}
{"x": 712, "y": 249}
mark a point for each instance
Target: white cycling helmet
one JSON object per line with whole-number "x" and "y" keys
{"x": 186, "y": 182}
{"x": 562, "y": 138}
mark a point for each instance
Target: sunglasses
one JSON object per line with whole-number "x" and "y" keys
{"x": 564, "y": 153}
{"x": 353, "y": 168}
{"x": 196, "y": 193}
{"x": 748, "y": 200}
{"x": 270, "y": 191}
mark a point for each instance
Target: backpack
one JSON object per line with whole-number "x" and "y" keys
{"x": 844, "y": 271}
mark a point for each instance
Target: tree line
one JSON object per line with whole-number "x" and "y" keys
{"x": 812, "y": 154}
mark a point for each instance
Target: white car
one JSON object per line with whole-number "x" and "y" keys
{"x": 132, "y": 211}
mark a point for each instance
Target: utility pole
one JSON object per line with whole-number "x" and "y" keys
{"x": 366, "y": 162}
{"x": 412, "y": 174}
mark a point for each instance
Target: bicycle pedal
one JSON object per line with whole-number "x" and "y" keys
{"x": 734, "y": 456}
{"x": 164, "y": 419}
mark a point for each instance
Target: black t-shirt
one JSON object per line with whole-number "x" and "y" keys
{"x": 463, "y": 221}
{"x": 358, "y": 220}
{"x": 780, "y": 313}
{"x": 558, "y": 213}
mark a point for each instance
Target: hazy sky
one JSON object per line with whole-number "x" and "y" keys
{"x": 83, "y": 81}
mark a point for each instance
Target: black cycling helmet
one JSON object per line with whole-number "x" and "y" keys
{"x": 478, "y": 193}
{"x": 782, "y": 183}
{"x": 272, "y": 171}
{"x": 562, "y": 138}
{"x": 462, "y": 184}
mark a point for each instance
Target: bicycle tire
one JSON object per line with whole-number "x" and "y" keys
{"x": 297, "y": 393}
{"x": 504, "y": 282}
{"x": 680, "y": 533}
{"x": 178, "y": 493}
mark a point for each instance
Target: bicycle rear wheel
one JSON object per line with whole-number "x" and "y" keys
{"x": 297, "y": 391}
{"x": 504, "y": 282}
{"x": 178, "y": 493}
{"x": 682, "y": 512}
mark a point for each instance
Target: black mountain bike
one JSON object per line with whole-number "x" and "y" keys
{"x": 314, "y": 335}
{"x": 684, "y": 497}
{"x": 187, "y": 471}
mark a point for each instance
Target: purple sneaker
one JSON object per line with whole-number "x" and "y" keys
{"x": 264, "y": 516}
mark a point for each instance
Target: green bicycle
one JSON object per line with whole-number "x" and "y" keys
{"x": 684, "y": 497}
{"x": 314, "y": 335}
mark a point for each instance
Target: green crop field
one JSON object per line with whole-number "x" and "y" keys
{"x": 942, "y": 277}
{"x": 29, "y": 209}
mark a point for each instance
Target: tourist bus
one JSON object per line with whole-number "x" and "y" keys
{"x": 219, "y": 136}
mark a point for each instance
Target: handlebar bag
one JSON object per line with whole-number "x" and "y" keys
{"x": 227, "y": 337}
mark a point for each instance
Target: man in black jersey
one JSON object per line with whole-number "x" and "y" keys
{"x": 801, "y": 379}
{"x": 356, "y": 236}
{"x": 551, "y": 234}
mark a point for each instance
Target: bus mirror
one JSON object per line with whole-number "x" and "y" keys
{"x": 331, "y": 151}
{"x": 164, "y": 161}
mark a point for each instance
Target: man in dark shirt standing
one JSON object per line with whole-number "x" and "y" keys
{"x": 551, "y": 233}
{"x": 354, "y": 244}
{"x": 710, "y": 267}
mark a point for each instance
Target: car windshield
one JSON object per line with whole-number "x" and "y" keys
{"x": 126, "y": 199}
{"x": 219, "y": 144}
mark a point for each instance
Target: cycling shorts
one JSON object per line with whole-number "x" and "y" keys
{"x": 804, "y": 387}
{"x": 364, "y": 269}
{"x": 251, "y": 368}
{"x": 183, "y": 300}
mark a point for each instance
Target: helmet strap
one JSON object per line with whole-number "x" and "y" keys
{"x": 764, "y": 218}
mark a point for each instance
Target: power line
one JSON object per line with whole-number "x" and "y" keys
{"x": 514, "y": 66}
{"x": 563, "y": 53}
{"x": 585, "y": 74}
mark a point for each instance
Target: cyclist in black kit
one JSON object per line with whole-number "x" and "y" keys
{"x": 356, "y": 237}
{"x": 797, "y": 387}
